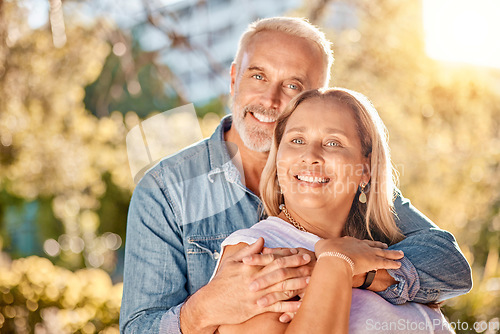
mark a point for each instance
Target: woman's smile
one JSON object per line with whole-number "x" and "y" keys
{"x": 312, "y": 179}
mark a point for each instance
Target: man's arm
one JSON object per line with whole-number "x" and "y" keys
{"x": 434, "y": 268}
{"x": 155, "y": 264}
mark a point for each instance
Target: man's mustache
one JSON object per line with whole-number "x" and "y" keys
{"x": 273, "y": 113}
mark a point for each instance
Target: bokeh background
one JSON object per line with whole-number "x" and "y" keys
{"x": 77, "y": 75}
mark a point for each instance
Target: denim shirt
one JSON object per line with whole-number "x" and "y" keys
{"x": 186, "y": 205}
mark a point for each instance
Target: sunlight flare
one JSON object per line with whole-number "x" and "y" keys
{"x": 463, "y": 31}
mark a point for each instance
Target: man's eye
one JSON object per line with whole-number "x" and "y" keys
{"x": 258, "y": 76}
{"x": 297, "y": 141}
{"x": 332, "y": 143}
{"x": 293, "y": 86}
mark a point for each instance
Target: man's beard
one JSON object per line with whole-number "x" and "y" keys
{"x": 253, "y": 136}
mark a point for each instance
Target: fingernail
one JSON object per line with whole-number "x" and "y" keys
{"x": 293, "y": 251}
{"x": 254, "y": 286}
{"x": 284, "y": 318}
{"x": 262, "y": 302}
{"x": 401, "y": 252}
{"x": 306, "y": 257}
{"x": 308, "y": 279}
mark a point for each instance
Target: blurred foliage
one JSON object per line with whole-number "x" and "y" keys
{"x": 36, "y": 296}
{"x": 65, "y": 112}
{"x": 130, "y": 81}
{"x": 52, "y": 147}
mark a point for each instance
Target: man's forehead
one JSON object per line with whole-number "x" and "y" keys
{"x": 272, "y": 36}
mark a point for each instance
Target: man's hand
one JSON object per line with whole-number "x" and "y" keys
{"x": 285, "y": 274}
{"x": 247, "y": 283}
{"x": 267, "y": 257}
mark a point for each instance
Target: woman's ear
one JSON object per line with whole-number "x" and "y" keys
{"x": 365, "y": 178}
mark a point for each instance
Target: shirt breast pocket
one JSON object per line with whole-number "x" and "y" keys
{"x": 202, "y": 255}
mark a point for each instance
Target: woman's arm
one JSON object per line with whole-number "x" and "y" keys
{"x": 327, "y": 301}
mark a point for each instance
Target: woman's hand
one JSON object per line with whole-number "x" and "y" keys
{"x": 366, "y": 254}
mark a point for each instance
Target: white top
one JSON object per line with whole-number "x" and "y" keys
{"x": 370, "y": 313}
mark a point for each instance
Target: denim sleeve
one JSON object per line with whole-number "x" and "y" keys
{"x": 436, "y": 270}
{"x": 155, "y": 265}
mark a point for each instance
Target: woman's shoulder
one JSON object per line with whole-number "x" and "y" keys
{"x": 250, "y": 235}
{"x": 276, "y": 233}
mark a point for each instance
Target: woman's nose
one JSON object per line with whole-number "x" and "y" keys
{"x": 312, "y": 154}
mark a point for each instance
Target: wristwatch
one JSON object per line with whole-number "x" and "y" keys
{"x": 368, "y": 279}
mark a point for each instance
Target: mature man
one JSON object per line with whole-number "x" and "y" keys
{"x": 185, "y": 206}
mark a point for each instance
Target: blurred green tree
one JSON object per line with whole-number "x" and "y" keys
{"x": 131, "y": 80}
{"x": 53, "y": 151}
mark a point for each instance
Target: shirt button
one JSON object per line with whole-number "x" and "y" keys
{"x": 216, "y": 255}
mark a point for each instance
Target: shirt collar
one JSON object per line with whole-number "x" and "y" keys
{"x": 219, "y": 159}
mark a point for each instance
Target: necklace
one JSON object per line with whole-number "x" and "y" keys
{"x": 290, "y": 218}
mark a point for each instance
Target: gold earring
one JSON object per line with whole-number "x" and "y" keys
{"x": 362, "y": 196}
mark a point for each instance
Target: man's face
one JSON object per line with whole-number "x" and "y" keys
{"x": 273, "y": 69}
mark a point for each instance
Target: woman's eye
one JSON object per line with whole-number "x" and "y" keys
{"x": 332, "y": 143}
{"x": 297, "y": 141}
{"x": 258, "y": 76}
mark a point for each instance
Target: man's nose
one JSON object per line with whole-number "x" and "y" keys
{"x": 272, "y": 97}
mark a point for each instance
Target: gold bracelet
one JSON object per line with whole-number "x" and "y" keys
{"x": 340, "y": 256}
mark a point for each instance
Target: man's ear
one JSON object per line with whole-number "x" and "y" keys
{"x": 233, "y": 78}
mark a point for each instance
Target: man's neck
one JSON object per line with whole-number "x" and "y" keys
{"x": 252, "y": 162}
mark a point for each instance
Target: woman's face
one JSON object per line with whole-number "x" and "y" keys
{"x": 319, "y": 161}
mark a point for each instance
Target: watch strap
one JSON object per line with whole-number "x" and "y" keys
{"x": 368, "y": 279}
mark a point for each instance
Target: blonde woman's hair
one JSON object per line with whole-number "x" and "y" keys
{"x": 299, "y": 27}
{"x": 375, "y": 219}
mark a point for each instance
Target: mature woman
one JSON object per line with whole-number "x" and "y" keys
{"x": 328, "y": 187}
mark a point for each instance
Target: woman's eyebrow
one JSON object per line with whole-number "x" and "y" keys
{"x": 327, "y": 130}
{"x": 336, "y": 130}
{"x": 297, "y": 129}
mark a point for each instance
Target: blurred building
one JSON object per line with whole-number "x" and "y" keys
{"x": 204, "y": 39}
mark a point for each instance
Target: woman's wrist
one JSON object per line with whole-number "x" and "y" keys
{"x": 329, "y": 245}
{"x": 325, "y": 245}
{"x": 340, "y": 256}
